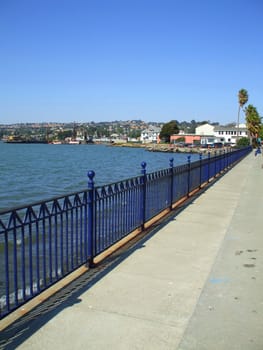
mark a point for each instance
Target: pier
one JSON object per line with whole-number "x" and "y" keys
{"x": 193, "y": 281}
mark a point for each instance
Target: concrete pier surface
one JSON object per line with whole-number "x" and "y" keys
{"x": 195, "y": 282}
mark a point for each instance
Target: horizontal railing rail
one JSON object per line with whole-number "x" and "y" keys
{"x": 43, "y": 242}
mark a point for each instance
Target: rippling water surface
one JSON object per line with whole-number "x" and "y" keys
{"x": 33, "y": 172}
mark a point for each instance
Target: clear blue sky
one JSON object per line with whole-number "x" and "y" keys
{"x": 104, "y": 60}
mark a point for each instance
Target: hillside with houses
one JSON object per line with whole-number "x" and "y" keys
{"x": 120, "y": 132}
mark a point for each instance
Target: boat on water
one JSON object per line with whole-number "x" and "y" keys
{"x": 56, "y": 142}
{"x": 73, "y": 142}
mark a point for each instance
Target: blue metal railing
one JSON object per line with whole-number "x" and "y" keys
{"x": 43, "y": 242}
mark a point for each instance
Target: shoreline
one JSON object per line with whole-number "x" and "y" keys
{"x": 170, "y": 148}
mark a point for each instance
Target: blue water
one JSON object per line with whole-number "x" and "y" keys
{"x": 34, "y": 172}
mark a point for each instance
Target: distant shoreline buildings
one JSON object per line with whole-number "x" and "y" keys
{"x": 205, "y": 134}
{"x": 121, "y": 132}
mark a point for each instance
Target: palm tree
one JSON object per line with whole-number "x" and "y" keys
{"x": 253, "y": 121}
{"x": 242, "y": 100}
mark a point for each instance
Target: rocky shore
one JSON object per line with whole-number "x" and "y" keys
{"x": 170, "y": 148}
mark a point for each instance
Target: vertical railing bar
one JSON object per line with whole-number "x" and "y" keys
{"x": 112, "y": 221}
{"x": 215, "y": 160}
{"x": 101, "y": 236}
{"x": 91, "y": 175}
{"x": 30, "y": 256}
{"x": 67, "y": 240}
{"x": 98, "y": 239}
{"x": 37, "y": 257}
{"x": 71, "y": 238}
{"x": 132, "y": 200}
{"x": 81, "y": 233}
{"x": 85, "y": 228}
{"x": 23, "y": 262}
{"x": 15, "y": 266}
{"x": 61, "y": 243}
{"x": 200, "y": 165}
{"x": 134, "y": 207}
{"x": 50, "y": 262}
{"x": 103, "y": 231}
{"x": 110, "y": 228}
{"x": 7, "y": 289}
{"x": 143, "y": 179}
{"x": 137, "y": 209}
{"x": 120, "y": 207}
{"x": 209, "y": 162}
{"x": 56, "y": 243}
{"x": 128, "y": 211}
{"x": 171, "y": 182}
{"x": 118, "y": 202}
{"x": 44, "y": 250}
{"x": 76, "y": 234}
{"x": 120, "y": 212}
{"x": 125, "y": 210}
{"x": 106, "y": 221}
{"x": 188, "y": 174}
{"x": 95, "y": 220}
{"x": 116, "y": 212}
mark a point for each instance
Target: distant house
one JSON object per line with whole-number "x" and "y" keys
{"x": 150, "y": 135}
{"x": 203, "y": 135}
{"x": 205, "y": 129}
{"x": 229, "y": 134}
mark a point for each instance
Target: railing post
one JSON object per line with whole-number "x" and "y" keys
{"x": 143, "y": 194}
{"x": 220, "y": 158}
{"x": 172, "y": 183}
{"x": 227, "y": 157}
{"x": 90, "y": 202}
{"x": 208, "y": 173}
{"x": 215, "y": 156}
{"x": 200, "y": 165}
{"x": 188, "y": 177}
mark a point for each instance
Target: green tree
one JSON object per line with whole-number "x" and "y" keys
{"x": 253, "y": 121}
{"x": 134, "y": 133}
{"x": 243, "y": 142}
{"x": 169, "y": 129}
{"x": 242, "y": 100}
{"x": 64, "y": 134}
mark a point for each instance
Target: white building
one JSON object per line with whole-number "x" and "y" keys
{"x": 205, "y": 129}
{"x": 150, "y": 135}
{"x": 224, "y": 134}
{"x": 229, "y": 134}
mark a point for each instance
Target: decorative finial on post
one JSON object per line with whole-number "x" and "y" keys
{"x": 143, "y": 165}
{"x": 91, "y": 175}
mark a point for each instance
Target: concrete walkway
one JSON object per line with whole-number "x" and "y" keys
{"x": 196, "y": 282}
